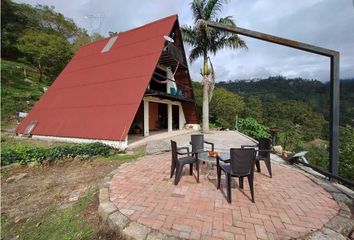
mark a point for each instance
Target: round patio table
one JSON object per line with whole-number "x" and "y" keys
{"x": 211, "y": 161}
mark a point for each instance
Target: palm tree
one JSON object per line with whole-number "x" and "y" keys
{"x": 206, "y": 40}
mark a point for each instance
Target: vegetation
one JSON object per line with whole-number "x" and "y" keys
{"x": 206, "y": 40}
{"x": 312, "y": 92}
{"x": 25, "y": 154}
{"x": 224, "y": 107}
{"x": 346, "y": 152}
{"x": 252, "y": 128}
{"x": 300, "y": 109}
{"x": 40, "y": 36}
{"x": 20, "y": 89}
{"x": 49, "y": 53}
{"x": 253, "y": 108}
{"x": 69, "y": 223}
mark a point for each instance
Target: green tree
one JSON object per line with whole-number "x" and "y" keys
{"x": 198, "y": 96}
{"x": 15, "y": 19}
{"x": 297, "y": 121}
{"x": 55, "y": 22}
{"x": 205, "y": 40}
{"x": 84, "y": 38}
{"x": 290, "y": 135}
{"x": 253, "y": 108}
{"x": 346, "y": 152}
{"x": 224, "y": 107}
{"x": 252, "y": 128}
{"x": 49, "y": 53}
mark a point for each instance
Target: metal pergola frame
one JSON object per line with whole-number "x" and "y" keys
{"x": 334, "y": 83}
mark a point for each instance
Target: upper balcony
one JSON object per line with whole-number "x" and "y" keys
{"x": 171, "y": 56}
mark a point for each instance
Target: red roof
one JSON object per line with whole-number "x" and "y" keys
{"x": 97, "y": 95}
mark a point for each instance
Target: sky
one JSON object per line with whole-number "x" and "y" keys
{"x": 324, "y": 23}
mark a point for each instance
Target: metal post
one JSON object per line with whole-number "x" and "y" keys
{"x": 334, "y": 116}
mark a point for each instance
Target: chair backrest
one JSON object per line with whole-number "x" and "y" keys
{"x": 242, "y": 160}
{"x": 264, "y": 144}
{"x": 174, "y": 150}
{"x": 197, "y": 142}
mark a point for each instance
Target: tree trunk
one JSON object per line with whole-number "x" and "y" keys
{"x": 205, "y": 104}
{"x": 40, "y": 72}
{"x": 205, "y": 95}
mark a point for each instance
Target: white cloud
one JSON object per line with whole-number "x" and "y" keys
{"x": 325, "y": 23}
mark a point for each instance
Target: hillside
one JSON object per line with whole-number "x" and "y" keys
{"x": 312, "y": 92}
{"x": 20, "y": 89}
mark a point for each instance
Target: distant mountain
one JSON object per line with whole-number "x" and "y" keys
{"x": 312, "y": 92}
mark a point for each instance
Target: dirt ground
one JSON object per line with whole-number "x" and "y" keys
{"x": 27, "y": 190}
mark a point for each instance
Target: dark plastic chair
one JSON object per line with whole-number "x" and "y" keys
{"x": 241, "y": 165}
{"x": 178, "y": 163}
{"x": 264, "y": 149}
{"x": 197, "y": 142}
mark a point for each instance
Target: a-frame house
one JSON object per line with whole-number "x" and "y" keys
{"x": 132, "y": 83}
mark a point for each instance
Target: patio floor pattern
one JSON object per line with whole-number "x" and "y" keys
{"x": 289, "y": 205}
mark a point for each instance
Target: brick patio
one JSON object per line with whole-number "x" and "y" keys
{"x": 289, "y": 205}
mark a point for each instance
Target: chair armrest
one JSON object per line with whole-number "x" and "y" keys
{"x": 183, "y": 153}
{"x": 181, "y": 148}
{"x": 187, "y": 153}
{"x": 212, "y": 145}
{"x": 179, "y": 152}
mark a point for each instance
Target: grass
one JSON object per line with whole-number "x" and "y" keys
{"x": 10, "y": 141}
{"x": 125, "y": 156}
{"x": 53, "y": 224}
{"x": 19, "y": 92}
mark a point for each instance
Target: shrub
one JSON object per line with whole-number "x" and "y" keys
{"x": 346, "y": 152}
{"x": 224, "y": 107}
{"x": 317, "y": 155}
{"x": 252, "y": 128}
{"x": 25, "y": 154}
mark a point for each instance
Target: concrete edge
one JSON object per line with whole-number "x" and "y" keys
{"x": 342, "y": 224}
{"x": 120, "y": 223}
{"x": 244, "y": 135}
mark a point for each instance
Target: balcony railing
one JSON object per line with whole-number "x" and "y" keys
{"x": 175, "y": 91}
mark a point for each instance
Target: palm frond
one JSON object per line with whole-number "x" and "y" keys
{"x": 227, "y": 21}
{"x": 188, "y": 35}
{"x": 197, "y": 7}
{"x": 233, "y": 42}
{"x": 212, "y": 8}
{"x": 205, "y": 39}
{"x": 195, "y": 53}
